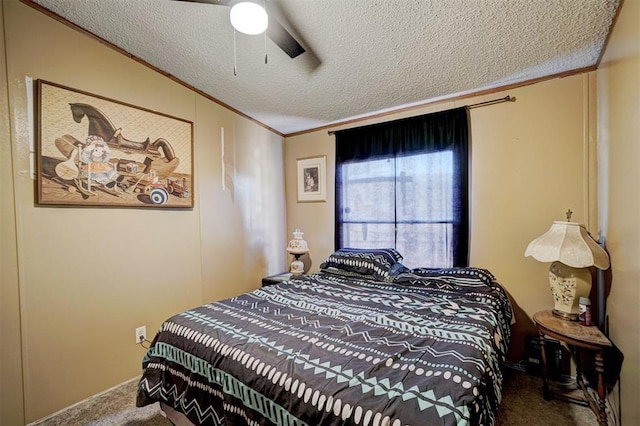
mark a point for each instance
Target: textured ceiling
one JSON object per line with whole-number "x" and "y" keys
{"x": 363, "y": 56}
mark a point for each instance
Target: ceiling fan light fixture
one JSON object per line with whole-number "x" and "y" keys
{"x": 249, "y": 18}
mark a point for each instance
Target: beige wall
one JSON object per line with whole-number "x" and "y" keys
{"x": 528, "y": 167}
{"x": 619, "y": 139}
{"x": 242, "y": 222}
{"x": 314, "y": 219}
{"x": 89, "y": 277}
{"x": 11, "y": 401}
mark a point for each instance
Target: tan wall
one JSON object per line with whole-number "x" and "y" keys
{"x": 528, "y": 168}
{"x": 314, "y": 219}
{"x": 619, "y": 133}
{"x": 242, "y": 225}
{"x": 89, "y": 277}
{"x": 11, "y": 401}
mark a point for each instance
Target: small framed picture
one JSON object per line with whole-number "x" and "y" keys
{"x": 312, "y": 179}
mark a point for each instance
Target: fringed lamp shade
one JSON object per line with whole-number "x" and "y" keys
{"x": 571, "y": 249}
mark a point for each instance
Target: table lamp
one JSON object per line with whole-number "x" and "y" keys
{"x": 297, "y": 247}
{"x": 572, "y": 250}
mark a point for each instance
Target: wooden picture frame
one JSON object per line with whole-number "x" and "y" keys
{"x": 312, "y": 179}
{"x": 96, "y": 151}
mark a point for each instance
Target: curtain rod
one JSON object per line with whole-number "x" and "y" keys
{"x": 492, "y": 102}
{"x": 480, "y": 104}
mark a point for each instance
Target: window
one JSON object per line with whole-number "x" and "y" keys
{"x": 408, "y": 199}
{"x": 405, "y": 203}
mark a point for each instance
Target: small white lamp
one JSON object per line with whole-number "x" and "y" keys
{"x": 249, "y": 17}
{"x": 297, "y": 247}
{"x": 572, "y": 251}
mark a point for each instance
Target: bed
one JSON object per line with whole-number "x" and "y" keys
{"x": 365, "y": 341}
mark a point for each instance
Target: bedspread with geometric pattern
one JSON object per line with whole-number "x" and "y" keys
{"x": 324, "y": 349}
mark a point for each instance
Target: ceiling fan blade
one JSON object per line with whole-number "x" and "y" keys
{"x": 283, "y": 39}
{"x": 214, "y": 2}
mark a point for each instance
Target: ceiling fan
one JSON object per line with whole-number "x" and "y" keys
{"x": 275, "y": 30}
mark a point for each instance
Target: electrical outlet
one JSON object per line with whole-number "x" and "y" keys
{"x": 141, "y": 334}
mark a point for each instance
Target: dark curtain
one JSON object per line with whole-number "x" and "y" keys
{"x": 446, "y": 130}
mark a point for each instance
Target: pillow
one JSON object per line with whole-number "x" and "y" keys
{"x": 461, "y": 277}
{"x": 379, "y": 263}
{"x": 397, "y": 269}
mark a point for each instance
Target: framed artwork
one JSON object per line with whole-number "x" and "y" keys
{"x": 312, "y": 179}
{"x": 95, "y": 151}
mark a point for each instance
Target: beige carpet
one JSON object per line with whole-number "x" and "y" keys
{"x": 116, "y": 407}
{"x": 522, "y": 404}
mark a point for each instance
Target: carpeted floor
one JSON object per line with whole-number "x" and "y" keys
{"x": 522, "y": 404}
{"x": 116, "y": 407}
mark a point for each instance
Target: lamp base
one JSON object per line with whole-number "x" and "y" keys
{"x": 565, "y": 315}
{"x": 568, "y": 285}
{"x": 297, "y": 266}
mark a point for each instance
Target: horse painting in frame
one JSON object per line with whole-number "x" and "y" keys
{"x": 95, "y": 151}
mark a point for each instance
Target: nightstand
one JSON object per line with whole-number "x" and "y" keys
{"x": 275, "y": 279}
{"x": 578, "y": 337}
